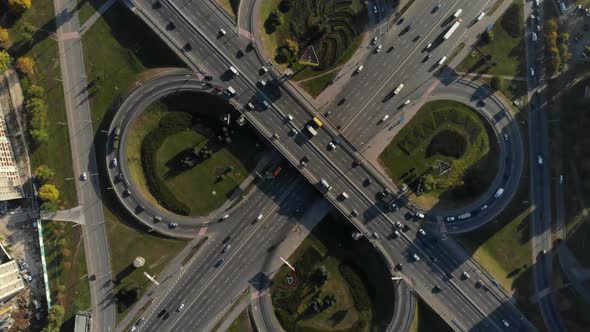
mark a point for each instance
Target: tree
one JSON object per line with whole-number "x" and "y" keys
{"x": 5, "y": 61}
{"x": 43, "y": 173}
{"x": 282, "y": 55}
{"x": 273, "y": 21}
{"x": 285, "y": 5}
{"x": 564, "y": 37}
{"x": 34, "y": 91}
{"x": 551, "y": 25}
{"x": 488, "y": 36}
{"x": 50, "y": 206}
{"x": 40, "y": 136}
{"x": 3, "y": 35}
{"x": 428, "y": 182}
{"x": 19, "y": 6}
{"x": 48, "y": 192}
{"x": 495, "y": 83}
{"x": 292, "y": 46}
{"x": 25, "y": 65}
{"x": 56, "y": 315}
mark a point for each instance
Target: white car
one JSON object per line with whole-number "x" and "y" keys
{"x": 532, "y": 71}
{"x": 419, "y": 215}
{"x": 226, "y": 248}
{"x": 374, "y": 40}
{"x": 331, "y": 146}
{"x": 406, "y": 102}
{"x": 222, "y": 32}
{"x": 289, "y": 117}
{"x": 385, "y": 117}
{"x": 378, "y": 49}
{"x": 84, "y": 176}
{"x": 422, "y": 232}
{"x": 375, "y": 10}
{"x": 264, "y": 69}
{"x": 561, "y": 179}
{"x": 180, "y": 307}
{"x": 534, "y": 37}
{"x": 483, "y": 207}
{"x": 397, "y": 234}
{"x": 416, "y": 257}
{"x": 465, "y": 275}
{"x": 503, "y": 320}
{"x": 399, "y": 225}
{"x": 540, "y": 160}
{"x": 450, "y": 219}
{"x": 360, "y": 68}
{"x": 259, "y": 217}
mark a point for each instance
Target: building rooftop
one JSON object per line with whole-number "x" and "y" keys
{"x": 82, "y": 323}
{"x": 10, "y": 181}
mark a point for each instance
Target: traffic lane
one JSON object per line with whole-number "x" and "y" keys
{"x": 405, "y": 49}
{"x": 204, "y": 273}
{"x": 246, "y": 259}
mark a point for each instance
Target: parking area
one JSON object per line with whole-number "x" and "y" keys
{"x": 576, "y": 22}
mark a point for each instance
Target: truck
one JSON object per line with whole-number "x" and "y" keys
{"x": 451, "y": 30}
{"x": 310, "y": 130}
{"x": 325, "y": 185}
{"x": 457, "y": 13}
{"x": 464, "y": 216}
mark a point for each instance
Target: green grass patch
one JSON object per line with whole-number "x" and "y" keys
{"x": 217, "y": 176}
{"x": 242, "y": 323}
{"x": 87, "y": 8}
{"x": 450, "y": 132}
{"x": 125, "y": 244}
{"x": 315, "y": 86}
{"x": 66, "y": 268}
{"x": 361, "y": 286}
{"x": 30, "y": 36}
{"x": 505, "y": 54}
{"x": 117, "y": 48}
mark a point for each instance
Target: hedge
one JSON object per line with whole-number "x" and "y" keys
{"x": 358, "y": 291}
{"x": 170, "y": 124}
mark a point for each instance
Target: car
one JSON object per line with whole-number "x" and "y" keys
{"x": 416, "y": 257}
{"x": 303, "y": 162}
{"x": 226, "y": 240}
{"x": 289, "y": 117}
{"x": 172, "y": 225}
{"x": 376, "y": 236}
{"x": 539, "y": 160}
{"x": 84, "y": 176}
{"x": 157, "y": 218}
{"x": 375, "y": 10}
{"x": 478, "y": 283}
{"x": 436, "y": 289}
{"x": 398, "y": 267}
{"x": 261, "y": 83}
{"x": 534, "y": 36}
{"x": 225, "y": 217}
{"x": 374, "y": 40}
{"x": 114, "y": 162}
{"x": 393, "y": 207}
{"x": 294, "y": 132}
{"x": 432, "y": 258}
{"x": 465, "y": 275}
{"x": 260, "y": 216}
{"x": 161, "y": 313}
{"x": 276, "y": 136}
{"x": 385, "y": 117}
{"x": 483, "y": 207}
{"x": 226, "y": 248}
{"x": 422, "y": 232}
{"x": 399, "y": 225}
{"x": 250, "y": 105}
{"x": 354, "y": 213}
{"x": 331, "y": 146}
{"x": 180, "y": 307}
{"x": 419, "y": 215}
{"x": 219, "y": 262}
{"x": 166, "y": 315}
{"x": 263, "y": 70}
{"x": 396, "y": 233}
{"x": 505, "y": 322}
{"x": 391, "y": 48}
{"x": 543, "y": 252}
{"x": 532, "y": 72}
{"x": 450, "y": 219}
{"x": 208, "y": 77}
{"x": 481, "y": 103}
{"x": 436, "y": 8}
{"x": 560, "y": 178}
{"x": 222, "y": 32}
{"x": 378, "y": 49}
{"x": 417, "y": 37}
{"x": 367, "y": 181}
{"x": 505, "y": 137}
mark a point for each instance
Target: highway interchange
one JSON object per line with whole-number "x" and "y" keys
{"x": 461, "y": 304}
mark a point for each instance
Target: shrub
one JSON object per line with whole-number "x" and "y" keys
{"x": 495, "y": 83}
{"x": 50, "y": 206}
{"x": 169, "y": 124}
{"x": 447, "y": 143}
{"x": 5, "y": 61}
{"x": 34, "y": 91}
{"x": 3, "y": 35}
{"x": 19, "y": 6}
{"x": 25, "y": 65}
{"x": 43, "y": 173}
{"x": 273, "y": 21}
{"x": 488, "y": 36}
{"x": 48, "y": 192}
{"x": 56, "y": 315}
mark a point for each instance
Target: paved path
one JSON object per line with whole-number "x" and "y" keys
{"x": 72, "y": 215}
{"x": 90, "y": 22}
{"x": 96, "y": 248}
{"x": 505, "y": 77}
{"x": 575, "y": 273}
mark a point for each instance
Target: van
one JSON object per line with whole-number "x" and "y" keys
{"x": 230, "y": 91}
{"x": 465, "y": 216}
{"x": 441, "y": 61}
{"x": 499, "y": 192}
{"x": 344, "y": 195}
{"x": 325, "y": 185}
{"x": 234, "y": 71}
{"x": 480, "y": 16}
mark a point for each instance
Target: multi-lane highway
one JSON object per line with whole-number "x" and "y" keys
{"x": 463, "y": 305}
{"x": 540, "y": 183}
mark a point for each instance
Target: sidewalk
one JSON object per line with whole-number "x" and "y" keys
{"x": 90, "y": 22}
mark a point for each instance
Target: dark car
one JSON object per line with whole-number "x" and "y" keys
{"x": 226, "y": 240}
{"x": 398, "y": 267}
{"x": 170, "y": 26}
{"x": 161, "y": 313}
{"x": 166, "y": 316}
{"x": 219, "y": 262}
{"x": 208, "y": 77}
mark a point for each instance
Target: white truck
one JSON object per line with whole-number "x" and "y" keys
{"x": 398, "y": 89}
{"x": 453, "y": 28}
{"x": 311, "y": 130}
{"x": 325, "y": 185}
